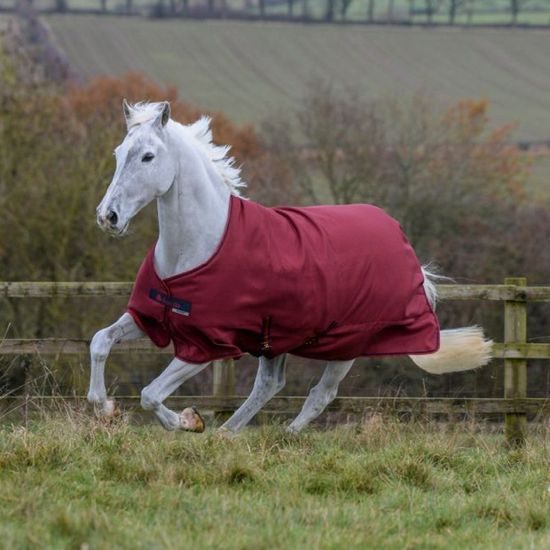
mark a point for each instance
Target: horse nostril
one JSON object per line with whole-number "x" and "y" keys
{"x": 112, "y": 217}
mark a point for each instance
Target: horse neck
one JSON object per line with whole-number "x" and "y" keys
{"x": 192, "y": 215}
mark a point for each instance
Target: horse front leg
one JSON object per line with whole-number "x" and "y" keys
{"x": 152, "y": 396}
{"x": 270, "y": 380}
{"x": 321, "y": 394}
{"x": 102, "y": 342}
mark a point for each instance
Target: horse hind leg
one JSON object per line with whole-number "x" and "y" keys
{"x": 321, "y": 394}
{"x": 270, "y": 379}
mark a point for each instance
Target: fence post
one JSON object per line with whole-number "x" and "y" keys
{"x": 223, "y": 384}
{"x": 515, "y": 370}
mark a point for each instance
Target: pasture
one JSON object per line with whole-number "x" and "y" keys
{"x": 251, "y": 70}
{"x": 70, "y": 481}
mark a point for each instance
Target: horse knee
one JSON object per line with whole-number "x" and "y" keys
{"x": 149, "y": 401}
{"x": 99, "y": 346}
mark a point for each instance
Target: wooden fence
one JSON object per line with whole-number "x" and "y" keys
{"x": 515, "y": 351}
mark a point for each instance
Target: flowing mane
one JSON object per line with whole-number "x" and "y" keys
{"x": 201, "y": 133}
{"x": 218, "y": 154}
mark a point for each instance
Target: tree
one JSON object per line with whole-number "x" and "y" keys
{"x": 370, "y": 10}
{"x": 443, "y": 173}
{"x": 56, "y": 161}
{"x": 412, "y": 10}
{"x": 454, "y": 183}
{"x": 470, "y": 10}
{"x": 53, "y": 175}
{"x": 344, "y": 7}
{"x": 329, "y": 12}
{"x": 454, "y": 6}
{"x": 515, "y": 8}
{"x": 432, "y": 7}
{"x": 391, "y": 5}
{"x": 290, "y": 8}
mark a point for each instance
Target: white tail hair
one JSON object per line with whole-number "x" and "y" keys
{"x": 460, "y": 349}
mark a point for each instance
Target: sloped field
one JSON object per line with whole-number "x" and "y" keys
{"x": 250, "y": 70}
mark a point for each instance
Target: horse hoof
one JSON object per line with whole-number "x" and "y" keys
{"x": 191, "y": 420}
{"x": 109, "y": 409}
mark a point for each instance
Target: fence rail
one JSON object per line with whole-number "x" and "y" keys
{"x": 78, "y": 346}
{"x": 497, "y": 292}
{"x": 515, "y": 351}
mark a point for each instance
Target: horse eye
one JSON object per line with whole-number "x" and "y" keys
{"x": 147, "y": 157}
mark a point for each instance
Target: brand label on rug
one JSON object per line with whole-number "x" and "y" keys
{"x": 183, "y": 307}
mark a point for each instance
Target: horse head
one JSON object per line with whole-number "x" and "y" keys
{"x": 145, "y": 170}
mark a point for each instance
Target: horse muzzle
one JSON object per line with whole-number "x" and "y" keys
{"x": 109, "y": 220}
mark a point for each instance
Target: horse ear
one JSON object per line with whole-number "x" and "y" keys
{"x": 165, "y": 115}
{"x": 126, "y": 110}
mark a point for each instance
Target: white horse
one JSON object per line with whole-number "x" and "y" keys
{"x": 192, "y": 181}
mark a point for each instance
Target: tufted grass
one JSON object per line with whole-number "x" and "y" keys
{"x": 68, "y": 481}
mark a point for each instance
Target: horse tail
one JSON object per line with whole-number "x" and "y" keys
{"x": 460, "y": 349}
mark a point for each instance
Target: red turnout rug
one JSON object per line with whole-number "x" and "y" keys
{"x": 325, "y": 282}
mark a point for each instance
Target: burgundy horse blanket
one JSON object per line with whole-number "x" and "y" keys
{"x": 325, "y": 282}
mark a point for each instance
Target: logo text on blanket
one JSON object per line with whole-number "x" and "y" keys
{"x": 182, "y": 307}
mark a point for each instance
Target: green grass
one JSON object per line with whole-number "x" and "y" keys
{"x": 251, "y": 70}
{"x": 68, "y": 481}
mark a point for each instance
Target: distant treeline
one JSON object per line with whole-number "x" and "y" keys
{"x": 397, "y": 12}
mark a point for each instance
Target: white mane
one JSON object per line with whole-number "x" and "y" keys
{"x": 200, "y": 131}
{"x": 218, "y": 154}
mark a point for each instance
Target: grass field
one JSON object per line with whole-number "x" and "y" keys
{"x": 68, "y": 482}
{"x": 250, "y": 70}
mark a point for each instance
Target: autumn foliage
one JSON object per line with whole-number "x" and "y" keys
{"x": 445, "y": 173}
{"x": 57, "y": 160}
{"x": 100, "y": 103}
